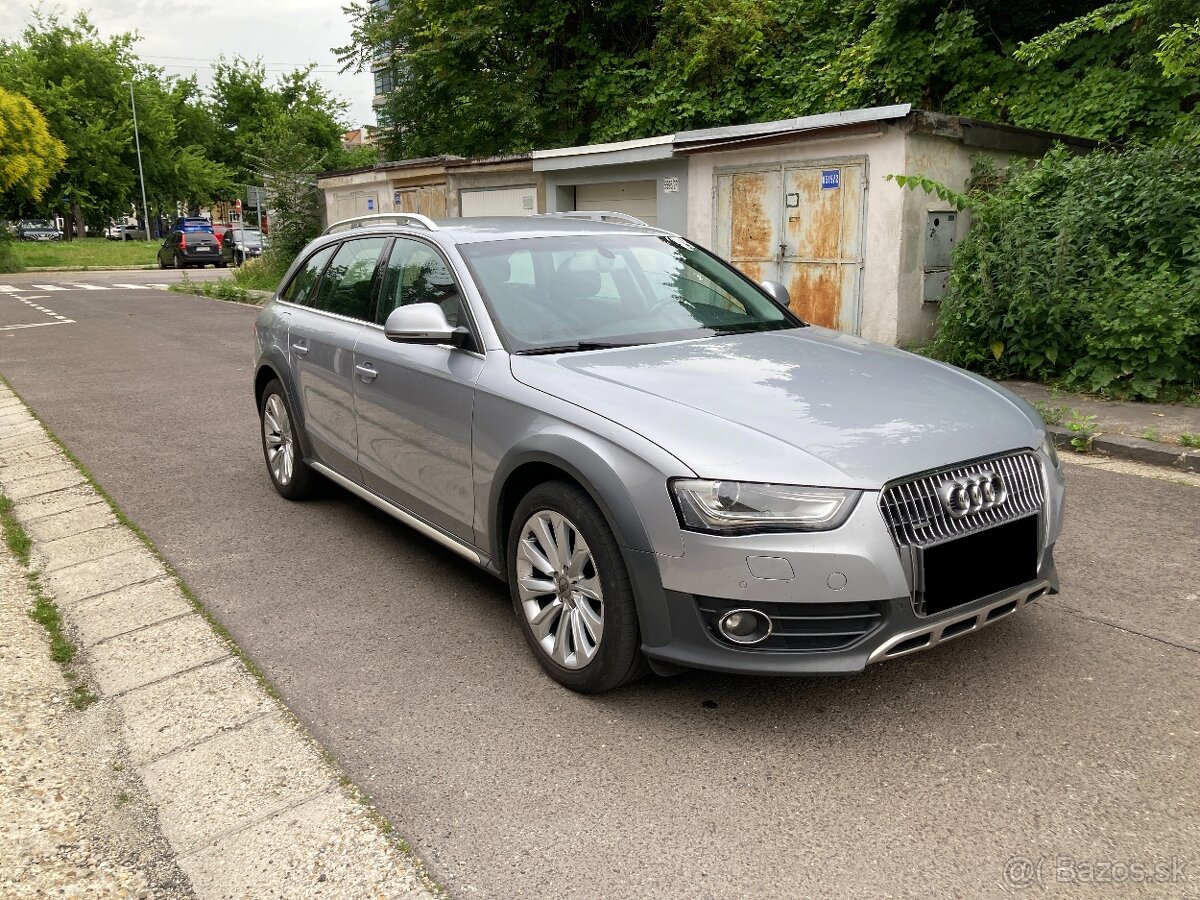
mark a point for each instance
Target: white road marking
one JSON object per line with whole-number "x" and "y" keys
{"x": 50, "y": 287}
{"x": 36, "y": 324}
{"x": 131, "y": 287}
{"x": 83, "y": 286}
{"x": 30, "y": 301}
{"x": 9, "y": 289}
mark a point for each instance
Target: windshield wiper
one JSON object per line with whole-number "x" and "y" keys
{"x": 576, "y": 347}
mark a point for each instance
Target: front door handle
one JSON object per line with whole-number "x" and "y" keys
{"x": 300, "y": 347}
{"x": 366, "y": 372}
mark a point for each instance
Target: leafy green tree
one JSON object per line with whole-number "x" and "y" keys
{"x": 74, "y": 77}
{"x": 30, "y": 156}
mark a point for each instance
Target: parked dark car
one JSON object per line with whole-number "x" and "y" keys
{"x": 197, "y": 248}
{"x": 38, "y": 230}
{"x": 240, "y": 244}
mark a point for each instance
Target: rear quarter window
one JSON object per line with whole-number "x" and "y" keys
{"x": 302, "y": 286}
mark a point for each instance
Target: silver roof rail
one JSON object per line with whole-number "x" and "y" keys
{"x": 380, "y": 219}
{"x": 599, "y": 215}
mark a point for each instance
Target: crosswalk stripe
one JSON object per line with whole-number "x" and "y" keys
{"x": 9, "y": 289}
{"x": 86, "y": 287}
{"x": 132, "y": 287}
{"x": 50, "y": 287}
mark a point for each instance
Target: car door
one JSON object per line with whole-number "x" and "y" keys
{"x": 413, "y": 401}
{"x": 323, "y": 329}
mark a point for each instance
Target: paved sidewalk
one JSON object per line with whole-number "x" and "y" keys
{"x": 1147, "y": 432}
{"x": 246, "y": 803}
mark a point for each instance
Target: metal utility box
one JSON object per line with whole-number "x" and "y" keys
{"x": 941, "y": 234}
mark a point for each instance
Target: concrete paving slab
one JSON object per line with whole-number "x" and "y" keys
{"x": 16, "y": 436}
{"x": 73, "y": 521}
{"x": 141, "y": 657}
{"x": 88, "y": 545}
{"x": 21, "y": 488}
{"x": 36, "y": 451}
{"x": 322, "y": 848}
{"x": 12, "y": 416}
{"x": 189, "y": 708}
{"x": 128, "y": 609}
{"x": 30, "y": 468}
{"x": 99, "y": 576}
{"x": 234, "y": 780}
{"x": 33, "y": 508}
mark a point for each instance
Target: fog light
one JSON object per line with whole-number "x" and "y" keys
{"x": 744, "y": 626}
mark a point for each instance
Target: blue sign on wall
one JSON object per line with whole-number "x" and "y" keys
{"x": 370, "y": 204}
{"x": 831, "y": 178}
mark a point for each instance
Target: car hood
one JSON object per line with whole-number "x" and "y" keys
{"x": 807, "y": 405}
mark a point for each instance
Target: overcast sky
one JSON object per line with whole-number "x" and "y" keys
{"x": 187, "y": 36}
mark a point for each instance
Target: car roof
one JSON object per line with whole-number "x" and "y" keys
{"x": 482, "y": 229}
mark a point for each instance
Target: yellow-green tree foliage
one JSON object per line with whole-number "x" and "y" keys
{"x": 30, "y": 156}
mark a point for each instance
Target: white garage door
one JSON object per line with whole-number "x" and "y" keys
{"x": 637, "y": 198}
{"x": 515, "y": 201}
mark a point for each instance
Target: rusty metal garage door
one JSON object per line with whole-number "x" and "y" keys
{"x": 801, "y": 225}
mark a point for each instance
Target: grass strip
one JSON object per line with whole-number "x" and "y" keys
{"x": 217, "y": 290}
{"x": 44, "y": 610}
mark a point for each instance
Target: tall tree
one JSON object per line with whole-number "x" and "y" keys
{"x": 30, "y": 156}
{"x": 74, "y": 77}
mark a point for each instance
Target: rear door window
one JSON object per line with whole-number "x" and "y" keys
{"x": 345, "y": 288}
{"x": 300, "y": 288}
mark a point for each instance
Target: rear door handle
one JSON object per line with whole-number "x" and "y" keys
{"x": 366, "y": 372}
{"x": 300, "y": 347}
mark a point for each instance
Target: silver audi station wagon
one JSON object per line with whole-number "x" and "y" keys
{"x": 666, "y": 466}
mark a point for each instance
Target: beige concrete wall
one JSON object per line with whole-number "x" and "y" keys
{"x": 883, "y": 150}
{"x": 949, "y": 162}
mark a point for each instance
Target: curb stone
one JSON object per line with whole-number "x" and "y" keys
{"x": 1133, "y": 448}
{"x": 247, "y": 800}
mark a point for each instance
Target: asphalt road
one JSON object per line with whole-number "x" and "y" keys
{"x": 1070, "y": 733}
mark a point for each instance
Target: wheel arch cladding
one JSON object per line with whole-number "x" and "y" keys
{"x": 270, "y": 368}
{"x": 525, "y": 470}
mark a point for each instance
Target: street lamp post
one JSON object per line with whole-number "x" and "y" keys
{"x": 138, "y": 143}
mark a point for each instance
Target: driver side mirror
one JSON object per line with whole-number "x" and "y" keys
{"x": 778, "y": 293}
{"x": 423, "y": 323}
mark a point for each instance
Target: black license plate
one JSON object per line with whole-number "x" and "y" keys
{"x": 979, "y": 564}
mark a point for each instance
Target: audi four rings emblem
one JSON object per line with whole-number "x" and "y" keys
{"x": 975, "y": 494}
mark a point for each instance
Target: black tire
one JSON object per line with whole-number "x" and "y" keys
{"x": 302, "y": 483}
{"x": 161, "y": 264}
{"x": 618, "y": 658}
{"x": 179, "y": 263}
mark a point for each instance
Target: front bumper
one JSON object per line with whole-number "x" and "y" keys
{"x": 901, "y": 632}
{"x": 844, "y": 599}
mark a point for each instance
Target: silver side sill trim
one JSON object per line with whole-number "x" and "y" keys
{"x": 924, "y": 638}
{"x": 451, "y": 543}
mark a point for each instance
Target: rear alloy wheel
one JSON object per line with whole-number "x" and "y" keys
{"x": 572, "y": 592}
{"x": 289, "y": 473}
{"x": 178, "y": 260}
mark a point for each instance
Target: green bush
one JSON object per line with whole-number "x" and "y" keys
{"x": 262, "y": 273}
{"x": 10, "y": 260}
{"x": 1083, "y": 270}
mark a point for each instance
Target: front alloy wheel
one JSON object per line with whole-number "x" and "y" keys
{"x": 285, "y": 461}
{"x": 571, "y": 590}
{"x": 560, "y": 589}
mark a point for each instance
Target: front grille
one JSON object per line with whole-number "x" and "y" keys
{"x": 915, "y": 515}
{"x": 801, "y": 626}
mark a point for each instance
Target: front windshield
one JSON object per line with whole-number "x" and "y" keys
{"x": 552, "y": 292}
{"x": 36, "y": 223}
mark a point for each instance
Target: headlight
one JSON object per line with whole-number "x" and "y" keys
{"x": 1050, "y": 450}
{"x": 738, "y": 506}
